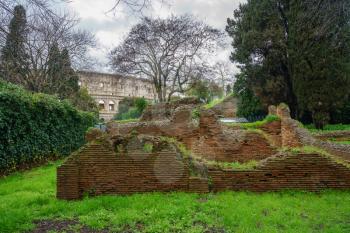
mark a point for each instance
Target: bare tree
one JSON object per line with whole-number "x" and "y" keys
{"x": 169, "y": 52}
{"x": 62, "y": 31}
{"x": 224, "y": 74}
{"x": 45, "y": 27}
{"x": 136, "y": 6}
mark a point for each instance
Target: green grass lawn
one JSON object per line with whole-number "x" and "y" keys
{"x": 29, "y": 196}
{"x": 334, "y": 127}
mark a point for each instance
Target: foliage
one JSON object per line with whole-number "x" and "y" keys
{"x": 148, "y": 147}
{"x": 29, "y": 196}
{"x": 205, "y": 90}
{"x": 14, "y": 58}
{"x": 195, "y": 113}
{"x": 140, "y": 104}
{"x": 84, "y": 102}
{"x": 131, "y": 108}
{"x": 248, "y": 104}
{"x": 215, "y": 102}
{"x": 36, "y": 126}
{"x": 62, "y": 79}
{"x": 341, "y": 114}
{"x": 295, "y": 52}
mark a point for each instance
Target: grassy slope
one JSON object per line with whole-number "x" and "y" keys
{"x": 31, "y": 195}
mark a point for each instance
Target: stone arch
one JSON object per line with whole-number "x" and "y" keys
{"x": 101, "y": 104}
{"x": 111, "y": 106}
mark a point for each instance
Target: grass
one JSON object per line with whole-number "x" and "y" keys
{"x": 234, "y": 165}
{"x": 334, "y": 127}
{"x": 29, "y": 196}
{"x": 342, "y": 142}
{"x": 126, "y": 121}
{"x": 215, "y": 102}
{"x": 256, "y": 124}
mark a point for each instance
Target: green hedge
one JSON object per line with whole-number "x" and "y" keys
{"x": 34, "y": 127}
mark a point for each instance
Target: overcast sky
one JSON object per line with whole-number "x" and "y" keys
{"x": 110, "y": 29}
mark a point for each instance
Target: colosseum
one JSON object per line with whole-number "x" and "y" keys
{"x": 109, "y": 89}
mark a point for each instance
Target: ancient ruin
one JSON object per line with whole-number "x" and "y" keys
{"x": 181, "y": 146}
{"x": 109, "y": 89}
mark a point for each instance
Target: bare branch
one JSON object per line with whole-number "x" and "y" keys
{"x": 167, "y": 51}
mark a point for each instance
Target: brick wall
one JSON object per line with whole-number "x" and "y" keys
{"x": 311, "y": 172}
{"x": 252, "y": 146}
{"x": 96, "y": 170}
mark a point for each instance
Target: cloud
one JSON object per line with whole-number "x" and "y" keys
{"x": 110, "y": 29}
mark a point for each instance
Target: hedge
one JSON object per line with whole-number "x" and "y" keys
{"x": 35, "y": 127}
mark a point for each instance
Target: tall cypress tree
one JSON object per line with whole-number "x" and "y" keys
{"x": 69, "y": 76}
{"x": 14, "y": 59}
{"x": 61, "y": 78}
{"x": 54, "y": 69}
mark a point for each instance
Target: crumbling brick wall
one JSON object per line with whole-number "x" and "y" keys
{"x": 96, "y": 170}
{"x": 165, "y": 111}
{"x": 293, "y": 135}
{"x": 311, "y": 172}
{"x": 209, "y": 139}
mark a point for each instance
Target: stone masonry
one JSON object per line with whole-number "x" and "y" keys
{"x": 109, "y": 89}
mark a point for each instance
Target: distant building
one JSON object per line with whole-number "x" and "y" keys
{"x": 109, "y": 89}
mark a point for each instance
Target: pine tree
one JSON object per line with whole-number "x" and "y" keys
{"x": 14, "y": 59}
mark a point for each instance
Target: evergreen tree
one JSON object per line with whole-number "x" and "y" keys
{"x": 248, "y": 105}
{"x": 83, "y": 101}
{"x": 68, "y": 77}
{"x": 54, "y": 70}
{"x": 320, "y": 54}
{"x": 61, "y": 78}
{"x": 14, "y": 59}
{"x": 294, "y": 51}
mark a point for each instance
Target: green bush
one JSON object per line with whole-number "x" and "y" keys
{"x": 130, "y": 108}
{"x": 37, "y": 126}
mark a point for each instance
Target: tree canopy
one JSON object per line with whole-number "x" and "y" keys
{"x": 296, "y": 52}
{"x": 169, "y": 52}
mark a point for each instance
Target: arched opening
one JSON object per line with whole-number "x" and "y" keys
{"x": 111, "y": 106}
{"x": 101, "y": 105}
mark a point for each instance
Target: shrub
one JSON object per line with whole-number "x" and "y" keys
{"x": 130, "y": 108}
{"x": 35, "y": 127}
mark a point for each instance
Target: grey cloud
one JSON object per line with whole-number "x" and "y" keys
{"x": 110, "y": 32}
